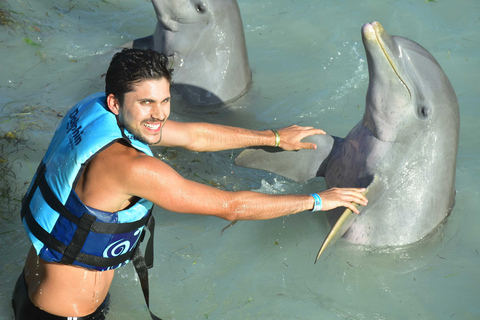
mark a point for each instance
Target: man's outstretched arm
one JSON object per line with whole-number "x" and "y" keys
{"x": 152, "y": 179}
{"x": 200, "y": 136}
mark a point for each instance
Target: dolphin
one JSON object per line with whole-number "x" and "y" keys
{"x": 205, "y": 43}
{"x": 404, "y": 149}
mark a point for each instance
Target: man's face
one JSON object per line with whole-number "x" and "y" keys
{"x": 145, "y": 110}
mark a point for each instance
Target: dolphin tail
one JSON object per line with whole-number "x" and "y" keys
{"x": 299, "y": 166}
{"x": 346, "y": 220}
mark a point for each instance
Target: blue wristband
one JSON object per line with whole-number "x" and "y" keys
{"x": 318, "y": 202}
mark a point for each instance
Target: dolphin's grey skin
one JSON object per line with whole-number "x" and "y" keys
{"x": 407, "y": 140}
{"x": 205, "y": 43}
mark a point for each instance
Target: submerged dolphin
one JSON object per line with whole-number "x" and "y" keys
{"x": 404, "y": 149}
{"x": 205, "y": 43}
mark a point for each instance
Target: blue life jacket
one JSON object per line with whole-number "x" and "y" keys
{"x": 63, "y": 229}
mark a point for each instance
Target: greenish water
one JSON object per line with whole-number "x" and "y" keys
{"x": 310, "y": 69}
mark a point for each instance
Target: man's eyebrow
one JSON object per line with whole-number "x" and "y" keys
{"x": 146, "y": 100}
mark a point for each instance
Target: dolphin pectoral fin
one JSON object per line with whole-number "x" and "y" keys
{"x": 340, "y": 227}
{"x": 299, "y": 166}
{"x": 346, "y": 220}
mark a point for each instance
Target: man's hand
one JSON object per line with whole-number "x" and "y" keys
{"x": 290, "y": 137}
{"x": 343, "y": 197}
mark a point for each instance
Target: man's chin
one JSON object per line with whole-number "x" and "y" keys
{"x": 148, "y": 139}
{"x": 153, "y": 142}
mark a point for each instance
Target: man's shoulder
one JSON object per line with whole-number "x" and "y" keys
{"x": 122, "y": 156}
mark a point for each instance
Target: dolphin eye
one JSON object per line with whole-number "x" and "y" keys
{"x": 424, "y": 112}
{"x": 200, "y": 7}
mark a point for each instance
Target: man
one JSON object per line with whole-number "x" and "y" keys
{"x": 93, "y": 192}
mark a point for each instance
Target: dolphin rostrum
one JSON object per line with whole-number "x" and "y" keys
{"x": 404, "y": 149}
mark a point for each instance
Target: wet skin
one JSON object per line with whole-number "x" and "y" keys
{"x": 67, "y": 290}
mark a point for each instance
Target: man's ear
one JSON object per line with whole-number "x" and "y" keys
{"x": 113, "y": 104}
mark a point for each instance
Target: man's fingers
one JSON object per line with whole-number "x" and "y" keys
{"x": 358, "y": 197}
{"x": 291, "y": 137}
{"x": 344, "y": 197}
{"x": 308, "y": 145}
{"x": 350, "y": 206}
{"x": 311, "y": 131}
{"x": 319, "y": 131}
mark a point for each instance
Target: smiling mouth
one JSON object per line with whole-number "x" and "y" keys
{"x": 152, "y": 126}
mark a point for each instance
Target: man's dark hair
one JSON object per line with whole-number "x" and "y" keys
{"x": 131, "y": 66}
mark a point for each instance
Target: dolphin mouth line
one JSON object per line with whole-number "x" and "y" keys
{"x": 389, "y": 59}
{"x": 165, "y": 25}
{"x": 172, "y": 23}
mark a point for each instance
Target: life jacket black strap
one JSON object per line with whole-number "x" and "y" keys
{"x": 141, "y": 268}
{"x": 95, "y": 226}
{"x": 41, "y": 234}
{"x": 78, "y": 239}
{"x": 150, "y": 226}
{"x": 55, "y": 244}
{"x": 85, "y": 224}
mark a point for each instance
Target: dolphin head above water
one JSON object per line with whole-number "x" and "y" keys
{"x": 404, "y": 149}
{"x": 205, "y": 43}
{"x": 405, "y": 82}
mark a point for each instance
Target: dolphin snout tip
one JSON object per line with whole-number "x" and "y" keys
{"x": 368, "y": 32}
{"x": 366, "y": 26}
{"x": 373, "y": 30}
{"x": 373, "y": 26}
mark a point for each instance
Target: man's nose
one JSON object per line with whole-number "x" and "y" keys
{"x": 159, "y": 112}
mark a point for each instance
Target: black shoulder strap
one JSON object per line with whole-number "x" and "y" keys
{"x": 142, "y": 264}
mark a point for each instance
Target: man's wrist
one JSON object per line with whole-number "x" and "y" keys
{"x": 277, "y": 138}
{"x": 317, "y": 206}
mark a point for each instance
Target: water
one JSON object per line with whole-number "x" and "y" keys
{"x": 310, "y": 69}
